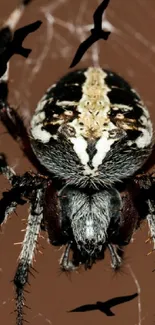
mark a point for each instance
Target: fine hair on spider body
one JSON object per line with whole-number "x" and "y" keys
{"x": 90, "y": 138}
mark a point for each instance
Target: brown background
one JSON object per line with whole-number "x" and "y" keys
{"x": 130, "y": 51}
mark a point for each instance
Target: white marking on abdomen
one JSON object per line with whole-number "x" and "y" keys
{"x": 103, "y": 146}
{"x": 145, "y": 137}
{"x": 143, "y": 140}
{"x": 80, "y": 146}
{"x": 40, "y": 134}
{"x": 36, "y": 128}
{"x": 66, "y": 103}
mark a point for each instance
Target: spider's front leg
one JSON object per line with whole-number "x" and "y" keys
{"x": 32, "y": 188}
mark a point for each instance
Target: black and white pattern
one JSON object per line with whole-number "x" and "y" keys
{"x": 89, "y": 136}
{"x": 93, "y": 114}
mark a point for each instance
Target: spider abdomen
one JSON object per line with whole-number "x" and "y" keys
{"x": 91, "y": 127}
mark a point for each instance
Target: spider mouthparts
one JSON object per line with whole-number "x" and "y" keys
{"x": 89, "y": 263}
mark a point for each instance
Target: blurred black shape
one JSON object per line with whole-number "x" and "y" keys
{"x": 105, "y": 307}
{"x": 96, "y": 33}
{"x": 25, "y": 2}
{"x": 12, "y": 44}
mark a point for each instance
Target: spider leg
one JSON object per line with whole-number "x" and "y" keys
{"x": 151, "y": 220}
{"x": 146, "y": 200}
{"x": 32, "y": 187}
{"x": 28, "y": 250}
{"x": 12, "y": 198}
{"x": 9, "y": 202}
{"x": 22, "y": 186}
{"x": 65, "y": 263}
{"x": 7, "y": 171}
{"x": 115, "y": 258}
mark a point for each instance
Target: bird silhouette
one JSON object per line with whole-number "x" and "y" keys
{"x": 105, "y": 307}
{"x": 11, "y": 44}
{"x": 96, "y": 33}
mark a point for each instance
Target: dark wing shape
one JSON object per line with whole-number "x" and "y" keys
{"x": 19, "y": 36}
{"x": 25, "y": 2}
{"x": 105, "y": 307}
{"x": 98, "y": 14}
{"x": 3, "y": 66}
{"x": 84, "y": 308}
{"x": 82, "y": 49}
{"x": 116, "y": 301}
{"x": 6, "y": 33}
{"x": 9, "y": 46}
{"x": 5, "y": 38}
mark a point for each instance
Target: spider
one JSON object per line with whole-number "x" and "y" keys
{"x": 91, "y": 140}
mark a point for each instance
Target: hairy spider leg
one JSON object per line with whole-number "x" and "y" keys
{"x": 11, "y": 198}
{"x": 115, "y": 258}
{"x": 146, "y": 204}
{"x": 22, "y": 186}
{"x": 32, "y": 187}
{"x": 28, "y": 251}
{"x": 65, "y": 263}
{"x": 151, "y": 220}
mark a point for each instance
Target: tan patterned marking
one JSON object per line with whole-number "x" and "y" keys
{"x": 94, "y": 105}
